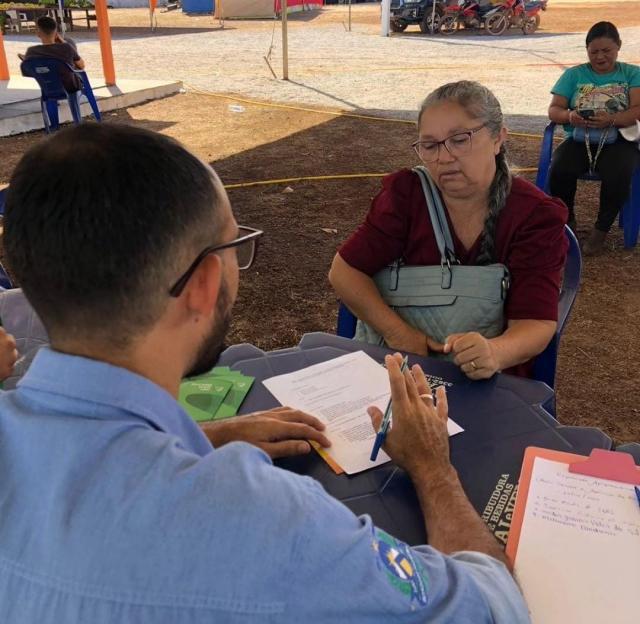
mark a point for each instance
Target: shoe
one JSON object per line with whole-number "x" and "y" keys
{"x": 594, "y": 245}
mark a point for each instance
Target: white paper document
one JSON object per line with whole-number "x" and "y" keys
{"x": 578, "y": 557}
{"x": 338, "y": 392}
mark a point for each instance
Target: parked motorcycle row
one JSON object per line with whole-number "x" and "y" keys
{"x": 452, "y": 15}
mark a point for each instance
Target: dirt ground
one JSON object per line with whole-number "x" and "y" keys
{"x": 287, "y": 294}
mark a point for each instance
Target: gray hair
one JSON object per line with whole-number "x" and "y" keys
{"x": 480, "y": 103}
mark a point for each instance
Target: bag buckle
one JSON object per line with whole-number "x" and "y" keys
{"x": 505, "y": 285}
{"x": 394, "y": 275}
{"x": 447, "y": 276}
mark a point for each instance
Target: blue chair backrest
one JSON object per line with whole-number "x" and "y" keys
{"x": 47, "y": 72}
{"x": 346, "y": 322}
{"x": 544, "y": 366}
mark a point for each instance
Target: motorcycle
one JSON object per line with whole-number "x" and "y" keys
{"x": 469, "y": 14}
{"x": 526, "y": 15}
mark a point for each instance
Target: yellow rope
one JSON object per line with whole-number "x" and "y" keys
{"x": 323, "y": 112}
{"x": 339, "y": 176}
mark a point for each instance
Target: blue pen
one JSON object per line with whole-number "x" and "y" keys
{"x": 386, "y": 420}
{"x": 637, "y": 489}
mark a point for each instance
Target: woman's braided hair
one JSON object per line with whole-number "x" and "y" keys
{"x": 480, "y": 103}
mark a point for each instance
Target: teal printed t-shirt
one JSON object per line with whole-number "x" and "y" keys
{"x": 586, "y": 89}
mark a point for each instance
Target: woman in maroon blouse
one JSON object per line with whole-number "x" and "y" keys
{"x": 493, "y": 217}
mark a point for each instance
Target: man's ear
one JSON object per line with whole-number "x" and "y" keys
{"x": 203, "y": 288}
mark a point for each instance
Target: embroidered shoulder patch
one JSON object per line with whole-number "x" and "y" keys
{"x": 404, "y": 573}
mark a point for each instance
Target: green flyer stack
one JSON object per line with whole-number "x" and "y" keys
{"x": 215, "y": 395}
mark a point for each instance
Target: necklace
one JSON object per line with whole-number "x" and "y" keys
{"x": 590, "y": 157}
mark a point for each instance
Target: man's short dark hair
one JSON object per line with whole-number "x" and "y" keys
{"x": 46, "y": 24}
{"x": 100, "y": 220}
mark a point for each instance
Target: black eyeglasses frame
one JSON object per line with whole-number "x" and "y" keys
{"x": 252, "y": 235}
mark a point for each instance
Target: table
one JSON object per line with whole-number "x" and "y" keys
{"x": 67, "y": 15}
{"x": 501, "y": 417}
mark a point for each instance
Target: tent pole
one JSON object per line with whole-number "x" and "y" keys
{"x": 220, "y": 13}
{"x": 108, "y": 68}
{"x": 385, "y": 17}
{"x": 285, "y": 43}
{"x": 4, "y": 65}
{"x": 62, "y": 24}
{"x": 433, "y": 17}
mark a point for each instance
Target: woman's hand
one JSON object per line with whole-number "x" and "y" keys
{"x": 408, "y": 339}
{"x": 474, "y": 354}
{"x": 576, "y": 120}
{"x": 601, "y": 119}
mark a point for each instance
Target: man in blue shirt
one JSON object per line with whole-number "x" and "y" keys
{"x": 115, "y": 506}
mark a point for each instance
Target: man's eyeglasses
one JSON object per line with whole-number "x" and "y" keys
{"x": 457, "y": 144}
{"x": 246, "y": 245}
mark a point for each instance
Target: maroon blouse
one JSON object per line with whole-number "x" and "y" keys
{"x": 530, "y": 241}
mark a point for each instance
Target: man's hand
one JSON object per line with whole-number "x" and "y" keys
{"x": 280, "y": 432}
{"x": 418, "y": 440}
{"x": 8, "y": 354}
{"x": 59, "y": 38}
{"x": 474, "y": 354}
{"x": 411, "y": 340}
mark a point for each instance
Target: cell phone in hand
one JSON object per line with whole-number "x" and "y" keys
{"x": 586, "y": 113}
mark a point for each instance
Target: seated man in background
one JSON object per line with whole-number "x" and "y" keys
{"x": 54, "y": 46}
{"x": 115, "y": 506}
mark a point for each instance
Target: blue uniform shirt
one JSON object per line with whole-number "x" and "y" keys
{"x": 114, "y": 507}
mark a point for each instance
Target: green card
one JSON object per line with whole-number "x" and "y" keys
{"x": 232, "y": 402}
{"x": 201, "y": 397}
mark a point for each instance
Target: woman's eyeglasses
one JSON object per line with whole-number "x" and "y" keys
{"x": 457, "y": 144}
{"x": 246, "y": 246}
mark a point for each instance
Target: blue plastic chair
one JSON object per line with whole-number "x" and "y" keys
{"x": 5, "y": 280}
{"x": 629, "y": 219}
{"x": 544, "y": 366}
{"x": 47, "y": 73}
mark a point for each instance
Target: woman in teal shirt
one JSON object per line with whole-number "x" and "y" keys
{"x": 593, "y": 100}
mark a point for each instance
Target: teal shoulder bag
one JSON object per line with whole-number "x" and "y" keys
{"x": 446, "y": 299}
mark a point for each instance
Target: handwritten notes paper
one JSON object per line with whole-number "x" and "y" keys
{"x": 578, "y": 557}
{"x": 338, "y": 392}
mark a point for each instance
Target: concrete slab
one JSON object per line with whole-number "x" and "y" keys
{"x": 20, "y": 100}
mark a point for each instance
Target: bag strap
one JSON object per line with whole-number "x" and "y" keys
{"x": 438, "y": 217}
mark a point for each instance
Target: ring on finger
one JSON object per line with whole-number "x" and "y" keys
{"x": 473, "y": 365}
